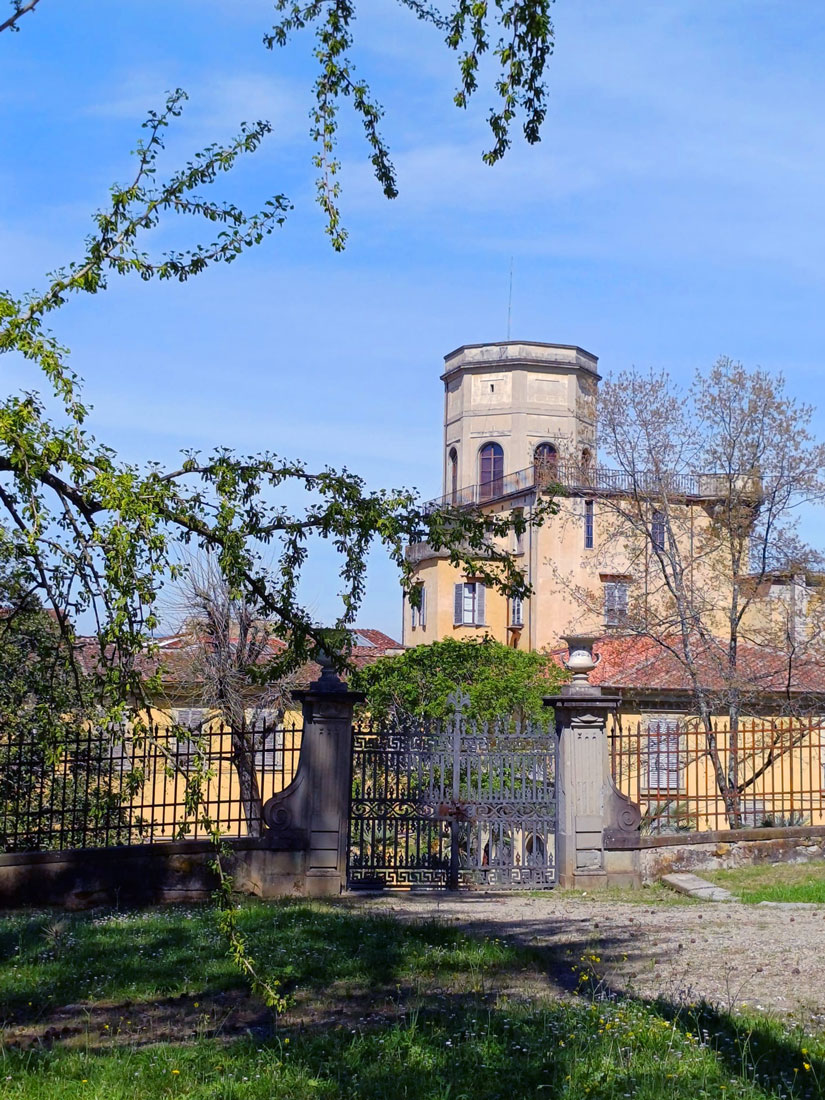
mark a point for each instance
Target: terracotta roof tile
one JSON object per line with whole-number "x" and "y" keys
{"x": 645, "y": 664}
{"x": 369, "y": 645}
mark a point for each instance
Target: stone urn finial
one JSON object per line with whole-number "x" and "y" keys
{"x": 329, "y": 679}
{"x": 580, "y": 660}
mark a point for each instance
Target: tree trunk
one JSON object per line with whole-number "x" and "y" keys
{"x": 243, "y": 758}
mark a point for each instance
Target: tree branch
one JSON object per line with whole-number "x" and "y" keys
{"x": 20, "y": 9}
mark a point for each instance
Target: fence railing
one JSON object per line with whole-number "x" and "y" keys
{"x": 581, "y": 477}
{"x": 767, "y": 773}
{"x": 102, "y": 790}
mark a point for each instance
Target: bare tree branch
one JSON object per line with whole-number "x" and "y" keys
{"x": 19, "y": 9}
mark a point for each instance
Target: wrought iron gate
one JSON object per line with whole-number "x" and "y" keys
{"x": 450, "y": 805}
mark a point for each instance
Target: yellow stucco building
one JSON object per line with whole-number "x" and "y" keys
{"x": 520, "y": 417}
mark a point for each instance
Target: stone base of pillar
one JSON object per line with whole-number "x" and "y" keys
{"x": 584, "y": 880}
{"x": 592, "y": 812}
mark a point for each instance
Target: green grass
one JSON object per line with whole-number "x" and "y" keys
{"x": 48, "y": 959}
{"x": 774, "y": 882}
{"x": 419, "y": 1012}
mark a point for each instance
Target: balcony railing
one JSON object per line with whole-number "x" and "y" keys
{"x": 576, "y": 477}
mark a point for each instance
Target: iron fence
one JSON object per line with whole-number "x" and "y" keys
{"x": 686, "y": 779}
{"x": 99, "y": 789}
{"x": 582, "y": 477}
{"x": 449, "y": 804}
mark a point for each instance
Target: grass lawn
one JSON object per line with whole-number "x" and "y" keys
{"x": 774, "y": 882}
{"x": 128, "y": 1005}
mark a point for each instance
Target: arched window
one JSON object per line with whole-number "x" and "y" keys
{"x": 545, "y": 463}
{"x": 586, "y": 465}
{"x": 490, "y": 471}
{"x": 453, "y": 475}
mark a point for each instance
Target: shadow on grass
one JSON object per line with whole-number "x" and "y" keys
{"x": 444, "y": 1048}
{"x": 758, "y": 1049}
{"x": 420, "y": 1022}
{"x": 48, "y": 962}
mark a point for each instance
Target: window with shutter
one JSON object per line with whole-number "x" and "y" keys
{"x": 516, "y": 612}
{"x": 490, "y": 470}
{"x": 269, "y": 751}
{"x": 413, "y": 616}
{"x": 615, "y": 603}
{"x": 453, "y": 475}
{"x": 469, "y": 604}
{"x": 191, "y": 718}
{"x": 262, "y": 719}
{"x": 480, "y": 593}
{"x": 422, "y": 611}
{"x": 184, "y": 752}
{"x": 458, "y": 611}
{"x": 664, "y": 755}
{"x": 184, "y": 749}
{"x": 588, "y": 525}
{"x": 753, "y": 813}
{"x": 518, "y": 536}
{"x": 657, "y": 530}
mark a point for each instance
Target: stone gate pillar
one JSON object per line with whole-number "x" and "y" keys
{"x": 312, "y": 814}
{"x": 592, "y": 814}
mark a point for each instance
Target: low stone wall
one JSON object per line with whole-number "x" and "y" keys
{"x": 147, "y": 874}
{"x": 713, "y": 851}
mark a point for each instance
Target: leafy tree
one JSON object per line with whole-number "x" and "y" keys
{"x": 101, "y": 536}
{"x": 58, "y": 786}
{"x": 495, "y": 680}
{"x": 518, "y": 32}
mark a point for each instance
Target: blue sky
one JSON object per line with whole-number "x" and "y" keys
{"x": 672, "y": 213}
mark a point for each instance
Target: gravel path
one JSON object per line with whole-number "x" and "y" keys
{"x": 767, "y": 957}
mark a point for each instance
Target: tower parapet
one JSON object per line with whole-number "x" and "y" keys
{"x": 505, "y": 400}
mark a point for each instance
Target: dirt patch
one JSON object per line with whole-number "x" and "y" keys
{"x": 730, "y": 954}
{"x": 101, "y": 1025}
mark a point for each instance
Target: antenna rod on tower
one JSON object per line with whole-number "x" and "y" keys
{"x": 510, "y": 300}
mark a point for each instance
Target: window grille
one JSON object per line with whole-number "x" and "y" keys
{"x": 615, "y": 603}
{"x": 469, "y": 604}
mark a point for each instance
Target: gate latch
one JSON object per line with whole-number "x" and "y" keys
{"x": 455, "y": 811}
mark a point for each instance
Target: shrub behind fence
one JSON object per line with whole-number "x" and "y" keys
{"x": 99, "y": 790}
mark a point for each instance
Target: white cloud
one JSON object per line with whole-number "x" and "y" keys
{"x": 217, "y": 103}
